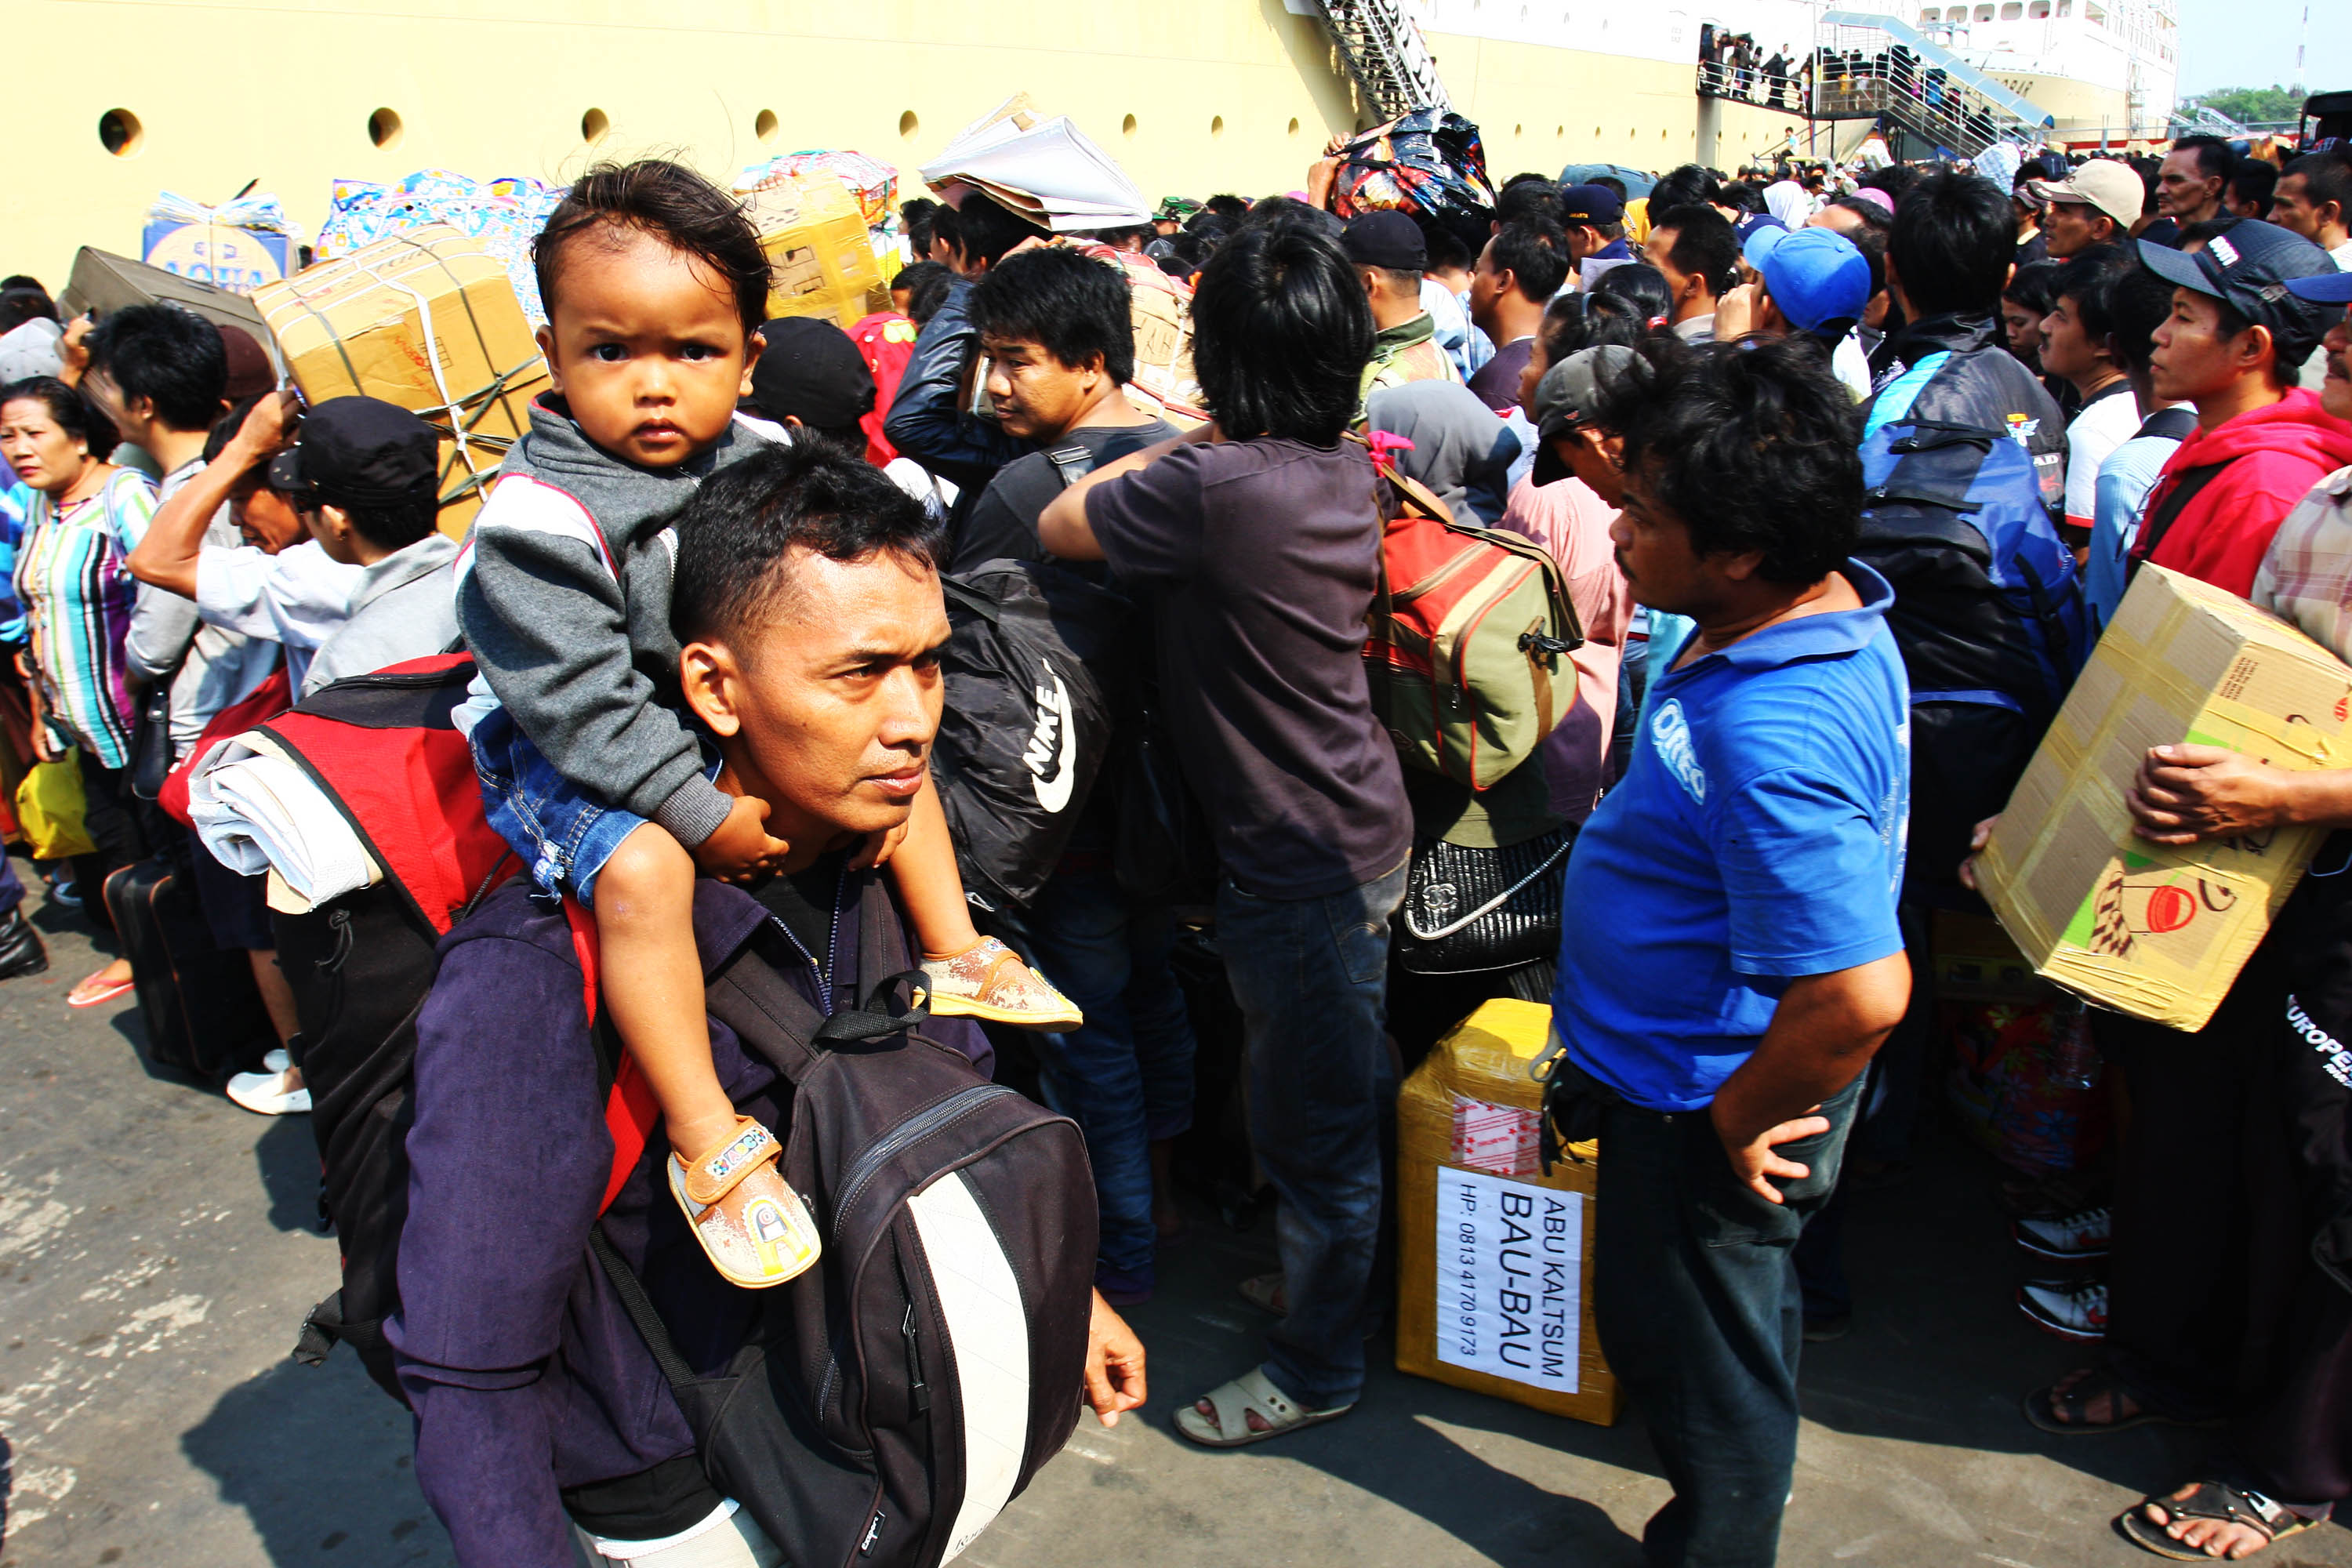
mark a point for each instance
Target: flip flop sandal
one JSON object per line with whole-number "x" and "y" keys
{"x": 989, "y": 981}
{"x": 754, "y": 1228}
{"x": 1265, "y": 1292}
{"x": 2045, "y": 1406}
{"x": 1234, "y": 1401}
{"x": 2211, "y": 1500}
{"x": 74, "y": 998}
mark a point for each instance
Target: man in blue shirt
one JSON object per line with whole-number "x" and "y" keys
{"x": 1747, "y": 869}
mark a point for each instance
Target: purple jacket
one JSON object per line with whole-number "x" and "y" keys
{"x": 523, "y": 1368}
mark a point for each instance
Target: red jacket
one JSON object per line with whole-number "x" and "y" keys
{"x": 2276, "y": 455}
{"x": 886, "y": 341}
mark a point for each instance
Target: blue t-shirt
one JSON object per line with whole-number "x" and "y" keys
{"x": 1757, "y": 837}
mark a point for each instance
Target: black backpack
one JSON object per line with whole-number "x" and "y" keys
{"x": 1037, "y": 672}
{"x": 886, "y": 1404}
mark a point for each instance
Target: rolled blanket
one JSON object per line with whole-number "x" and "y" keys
{"x": 256, "y": 811}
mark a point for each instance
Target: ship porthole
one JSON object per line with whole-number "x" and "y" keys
{"x": 1127, "y": 126}
{"x": 909, "y": 125}
{"x": 594, "y": 124}
{"x": 385, "y": 129}
{"x": 1294, "y": 128}
{"x": 1216, "y": 125}
{"x": 119, "y": 133}
{"x": 764, "y": 127}
{"x": 1559, "y": 129}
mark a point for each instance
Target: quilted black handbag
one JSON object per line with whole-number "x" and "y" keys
{"x": 1469, "y": 910}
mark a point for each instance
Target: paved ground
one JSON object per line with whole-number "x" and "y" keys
{"x": 156, "y": 1256}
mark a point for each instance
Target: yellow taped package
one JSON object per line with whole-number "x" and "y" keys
{"x": 815, "y": 238}
{"x": 1494, "y": 1277}
{"x": 2158, "y": 932}
{"x": 427, "y": 319}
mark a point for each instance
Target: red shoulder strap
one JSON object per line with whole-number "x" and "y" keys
{"x": 630, "y": 1112}
{"x": 265, "y": 702}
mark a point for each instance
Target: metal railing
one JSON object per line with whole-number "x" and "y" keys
{"x": 1386, "y": 55}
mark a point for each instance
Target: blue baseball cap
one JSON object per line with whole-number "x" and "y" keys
{"x": 2326, "y": 288}
{"x": 1815, "y": 275}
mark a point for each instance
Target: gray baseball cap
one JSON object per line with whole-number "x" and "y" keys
{"x": 1571, "y": 392}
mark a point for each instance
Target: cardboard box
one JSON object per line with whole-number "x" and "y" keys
{"x": 812, "y": 231}
{"x": 427, "y": 319}
{"x": 2159, "y": 933}
{"x": 106, "y": 283}
{"x": 1972, "y": 960}
{"x": 1495, "y": 1282}
{"x": 238, "y": 259}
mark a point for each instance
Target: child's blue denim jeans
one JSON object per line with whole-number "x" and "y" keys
{"x": 564, "y": 834}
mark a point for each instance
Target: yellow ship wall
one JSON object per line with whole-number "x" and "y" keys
{"x": 1211, "y": 95}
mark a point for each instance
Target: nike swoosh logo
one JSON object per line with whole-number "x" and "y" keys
{"x": 1054, "y": 794}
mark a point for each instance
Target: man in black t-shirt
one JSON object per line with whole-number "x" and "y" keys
{"x": 1259, "y": 544}
{"x": 1059, "y": 340}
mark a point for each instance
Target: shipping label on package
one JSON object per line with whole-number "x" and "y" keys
{"x": 1510, "y": 1270}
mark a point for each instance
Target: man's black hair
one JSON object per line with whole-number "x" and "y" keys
{"x": 170, "y": 356}
{"x": 1874, "y": 218}
{"x": 2089, "y": 277}
{"x": 20, "y": 305}
{"x": 1575, "y": 322}
{"x": 1071, "y": 305}
{"x": 1611, "y": 184}
{"x": 1685, "y": 185}
{"x": 1228, "y": 207}
{"x": 2213, "y": 154}
{"x": 2253, "y": 180}
{"x": 986, "y": 231}
{"x": 224, "y": 429}
{"x": 68, "y": 410}
{"x": 1447, "y": 251}
{"x": 1706, "y": 245}
{"x": 1871, "y": 240}
{"x": 915, "y": 217}
{"x": 391, "y": 527}
{"x": 1281, "y": 333}
{"x": 945, "y": 234}
{"x": 1953, "y": 243}
{"x": 1529, "y": 196}
{"x": 1895, "y": 180}
{"x": 1536, "y": 255}
{"x": 2035, "y": 287}
{"x": 21, "y": 280}
{"x": 2139, "y": 302}
{"x": 927, "y": 284}
{"x": 737, "y": 537}
{"x": 2327, "y": 177}
{"x": 1754, "y": 450}
{"x": 1739, "y": 197}
{"x": 670, "y": 203}
{"x": 1641, "y": 285}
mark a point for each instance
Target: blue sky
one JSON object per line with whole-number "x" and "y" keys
{"x": 2251, "y": 43}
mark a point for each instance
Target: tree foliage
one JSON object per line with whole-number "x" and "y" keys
{"x": 2254, "y": 105}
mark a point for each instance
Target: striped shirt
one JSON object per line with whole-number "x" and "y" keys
{"x": 74, "y": 581}
{"x": 2306, "y": 574}
{"x": 16, "y": 501}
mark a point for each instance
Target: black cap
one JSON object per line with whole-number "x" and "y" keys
{"x": 361, "y": 451}
{"x": 810, "y": 371}
{"x": 2248, "y": 268}
{"x": 1385, "y": 239}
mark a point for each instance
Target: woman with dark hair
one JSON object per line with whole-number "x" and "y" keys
{"x": 1643, "y": 287}
{"x": 73, "y": 578}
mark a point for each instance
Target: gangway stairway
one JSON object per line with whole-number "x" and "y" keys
{"x": 1867, "y": 66}
{"x": 1385, "y": 53}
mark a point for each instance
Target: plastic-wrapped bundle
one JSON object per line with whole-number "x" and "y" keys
{"x": 874, "y": 185}
{"x": 502, "y": 215}
{"x": 1429, "y": 162}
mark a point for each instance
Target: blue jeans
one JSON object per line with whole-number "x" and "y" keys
{"x": 1696, "y": 1297}
{"x": 12, "y": 891}
{"x": 1125, "y": 1076}
{"x": 1311, "y": 976}
{"x": 562, "y": 833}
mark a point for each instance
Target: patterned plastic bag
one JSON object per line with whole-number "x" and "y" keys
{"x": 1429, "y": 162}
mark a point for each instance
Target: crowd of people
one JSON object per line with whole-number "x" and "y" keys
{"x": 703, "y": 603}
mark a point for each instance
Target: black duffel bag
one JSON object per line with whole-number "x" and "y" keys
{"x": 1469, "y": 910}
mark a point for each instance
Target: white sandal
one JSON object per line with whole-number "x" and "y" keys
{"x": 1252, "y": 1391}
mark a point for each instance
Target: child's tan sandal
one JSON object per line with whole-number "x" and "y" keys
{"x": 754, "y": 1228}
{"x": 989, "y": 981}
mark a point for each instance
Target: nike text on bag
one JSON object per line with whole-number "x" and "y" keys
{"x": 1035, "y": 661}
{"x": 1469, "y": 633}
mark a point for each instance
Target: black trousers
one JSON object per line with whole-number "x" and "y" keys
{"x": 117, "y": 824}
{"x": 2230, "y": 1292}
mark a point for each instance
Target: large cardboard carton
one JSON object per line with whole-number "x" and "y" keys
{"x": 2161, "y": 933}
{"x": 427, "y": 319}
{"x": 223, "y": 254}
{"x": 815, "y": 236}
{"x": 106, "y": 283}
{"x": 1494, "y": 1290}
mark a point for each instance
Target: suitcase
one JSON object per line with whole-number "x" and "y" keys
{"x": 203, "y": 1012}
